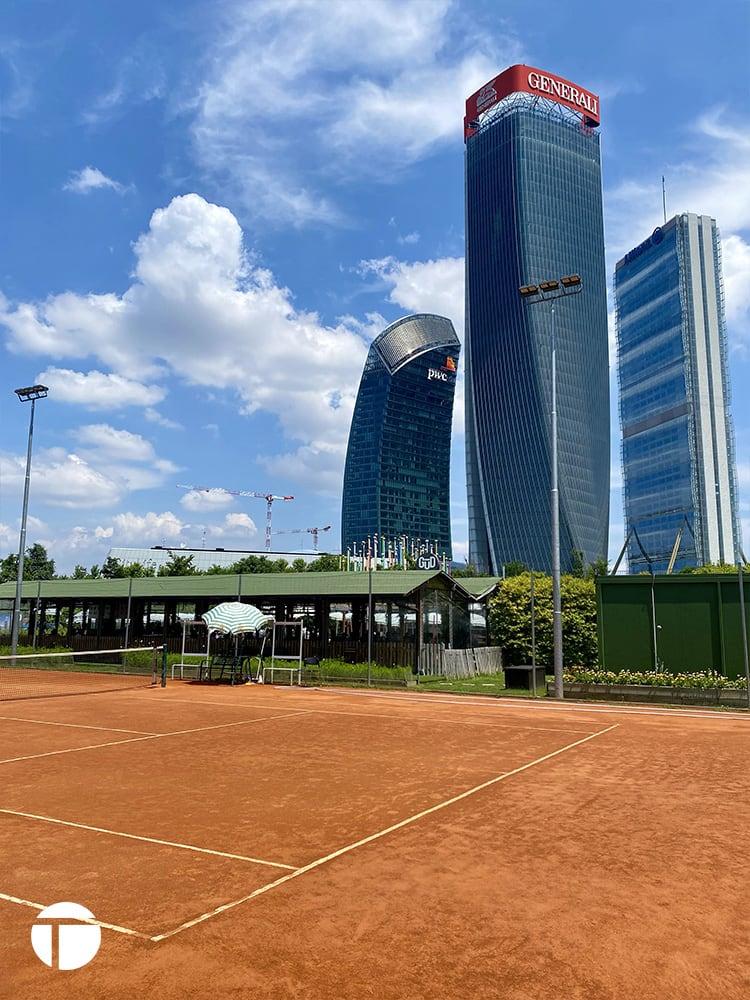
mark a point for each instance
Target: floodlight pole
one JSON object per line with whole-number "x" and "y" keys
{"x": 369, "y": 623}
{"x": 556, "y": 597}
{"x": 551, "y": 290}
{"x": 744, "y": 632}
{"x": 31, "y": 393}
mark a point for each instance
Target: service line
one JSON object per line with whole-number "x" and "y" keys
{"x": 376, "y": 836}
{"x": 154, "y": 736}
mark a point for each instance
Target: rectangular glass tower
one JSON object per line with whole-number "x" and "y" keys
{"x": 679, "y": 476}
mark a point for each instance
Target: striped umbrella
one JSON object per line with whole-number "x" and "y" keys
{"x": 234, "y": 617}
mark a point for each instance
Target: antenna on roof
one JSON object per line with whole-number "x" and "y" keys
{"x": 664, "y": 197}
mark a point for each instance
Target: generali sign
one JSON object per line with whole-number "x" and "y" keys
{"x": 527, "y": 80}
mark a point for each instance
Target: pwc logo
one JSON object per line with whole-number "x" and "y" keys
{"x": 63, "y": 938}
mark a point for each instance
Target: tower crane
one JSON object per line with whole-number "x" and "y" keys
{"x": 297, "y": 531}
{"x": 268, "y": 497}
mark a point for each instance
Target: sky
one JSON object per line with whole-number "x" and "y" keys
{"x": 210, "y": 209}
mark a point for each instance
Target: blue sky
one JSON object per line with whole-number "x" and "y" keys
{"x": 209, "y": 210}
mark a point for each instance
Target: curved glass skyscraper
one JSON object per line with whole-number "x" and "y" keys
{"x": 397, "y": 474}
{"x": 534, "y": 213}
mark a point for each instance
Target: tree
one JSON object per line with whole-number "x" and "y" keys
{"x": 708, "y": 568}
{"x": 79, "y": 573}
{"x": 510, "y": 620}
{"x": 576, "y": 564}
{"x": 298, "y": 566}
{"x": 36, "y": 565}
{"x": 113, "y": 569}
{"x": 515, "y": 568}
{"x": 468, "y": 570}
{"x": 599, "y": 567}
{"x": 253, "y": 564}
{"x": 139, "y": 569}
{"x": 178, "y": 565}
{"x": 326, "y": 563}
{"x": 9, "y": 568}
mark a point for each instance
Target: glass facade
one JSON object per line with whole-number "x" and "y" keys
{"x": 679, "y": 478}
{"x": 534, "y": 213}
{"x": 397, "y": 473}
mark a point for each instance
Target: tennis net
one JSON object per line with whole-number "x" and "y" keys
{"x": 46, "y": 675}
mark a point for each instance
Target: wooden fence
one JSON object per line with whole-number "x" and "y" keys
{"x": 457, "y": 663}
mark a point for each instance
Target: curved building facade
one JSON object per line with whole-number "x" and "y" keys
{"x": 397, "y": 473}
{"x": 533, "y": 214}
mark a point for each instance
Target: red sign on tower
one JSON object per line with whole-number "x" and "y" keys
{"x": 521, "y": 79}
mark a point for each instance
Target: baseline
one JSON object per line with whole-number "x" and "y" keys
{"x": 83, "y": 920}
{"x": 147, "y": 840}
{"x": 376, "y": 836}
{"x": 599, "y": 708}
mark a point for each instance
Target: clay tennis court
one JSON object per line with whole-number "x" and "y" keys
{"x": 272, "y": 842}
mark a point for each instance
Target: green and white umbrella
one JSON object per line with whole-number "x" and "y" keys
{"x": 234, "y": 617}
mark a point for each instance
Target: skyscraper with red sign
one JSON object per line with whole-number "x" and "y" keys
{"x": 534, "y": 214}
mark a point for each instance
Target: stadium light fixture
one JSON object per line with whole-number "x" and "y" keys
{"x": 29, "y": 394}
{"x": 532, "y": 294}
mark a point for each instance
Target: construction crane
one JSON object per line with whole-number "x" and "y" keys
{"x": 297, "y": 531}
{"x": 268, "y": 497}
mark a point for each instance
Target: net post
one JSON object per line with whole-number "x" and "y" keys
{"x": 154, "y": 664}
{"x": 164, "y": 665}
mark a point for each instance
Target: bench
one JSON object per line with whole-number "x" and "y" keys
{"x": 234, "y": 663}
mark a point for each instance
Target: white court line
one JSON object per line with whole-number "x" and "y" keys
{"x": 99, "y": 923}
{"x": 156, "y": 736}
{"x": 564, "y": 706}
{"x": 147, "y": 840}
{"x": 450, "y": 722}
{"x": 368, "y": 715}
{"x": 375, "y": 836}
{"x": 91, "y": 746}
{"x": 76, "y": 725}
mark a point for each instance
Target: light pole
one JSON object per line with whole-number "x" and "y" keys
{"x": 31, "y": 393}
{"x": 570, "y": 284}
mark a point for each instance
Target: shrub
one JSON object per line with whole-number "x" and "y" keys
{"x": 695, "y": 679}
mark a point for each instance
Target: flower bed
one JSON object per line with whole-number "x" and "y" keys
{"x": 700, "y": 688}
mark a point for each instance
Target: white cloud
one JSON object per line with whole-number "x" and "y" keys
{"x": 207, "y": 500}
{"x": 154, "y": 417}
{"x": 152, "y": 528}
{"x": 61, "y": 479}
{"x": 434, "y": 286}
{"x": 89, "y": 179}
{"x": 294, "y": 89}
{"x": 709, "y": 175}
{"x": 140, "y": 529}
{"x": 199, "y": 310}
{"x": 138, "y": 78}
{"x": 239, "y": 527}
{"x": 17, "y": 72}
{"x": 99, "y": 391}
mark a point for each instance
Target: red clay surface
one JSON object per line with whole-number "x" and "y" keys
{"x": 271, "y": 843}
